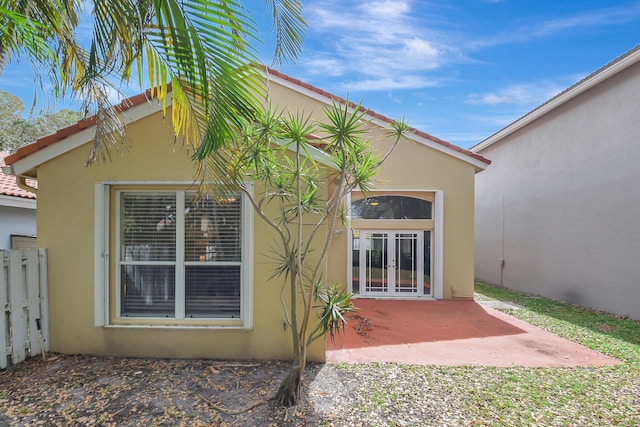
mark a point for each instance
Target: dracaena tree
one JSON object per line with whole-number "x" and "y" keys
{"x": 202, "y": 48}
{"x": 305, "y": 168}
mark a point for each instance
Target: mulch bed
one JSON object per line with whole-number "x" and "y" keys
{"x": 102, "y": 391}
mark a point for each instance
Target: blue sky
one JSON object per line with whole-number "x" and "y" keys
{"x": 460, "y": 70}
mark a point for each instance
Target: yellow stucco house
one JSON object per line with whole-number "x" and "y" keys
{"x": 135, "y": 268}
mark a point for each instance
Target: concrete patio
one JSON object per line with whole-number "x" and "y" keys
{"x": 451, "y": 333}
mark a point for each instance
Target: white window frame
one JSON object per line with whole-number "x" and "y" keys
{"x": 102, "y": 265}
{"x": 437, "y": 239}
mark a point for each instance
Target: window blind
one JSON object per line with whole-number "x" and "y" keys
{"x": 213, "y": 256}
{"x": 148, "y": 240}
{"x": 209, "y": 274}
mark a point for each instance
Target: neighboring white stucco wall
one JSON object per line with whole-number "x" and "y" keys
{"x": 13, "y": 220}
{"x": 561, "y": 202}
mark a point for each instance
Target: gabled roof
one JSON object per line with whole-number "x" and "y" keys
{"x": 8, "y": 186}
{"x": 30, "y": 156}
{"x": 384, "y": 121}
{"x": 81, "y": 125}
{"x": 619, "y": 64}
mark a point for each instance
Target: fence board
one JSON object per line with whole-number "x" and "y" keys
{"x": 17, "y": 299}
{"x": 44, "y": 297}
{"x": 4, "y": 308}
{"x": 24, "y": 326}
{"x": 33, "y": 296}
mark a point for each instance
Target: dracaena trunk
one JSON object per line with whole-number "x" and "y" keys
{"x": 289, "y": 391}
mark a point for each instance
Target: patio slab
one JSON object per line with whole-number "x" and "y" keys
{"x": 451, "y": 333}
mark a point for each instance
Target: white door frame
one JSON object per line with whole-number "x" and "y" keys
{"x": 437, "y": 243}
{"x": 391, "y": 268}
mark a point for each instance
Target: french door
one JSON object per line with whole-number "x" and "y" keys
{"x": 391, "y": 263}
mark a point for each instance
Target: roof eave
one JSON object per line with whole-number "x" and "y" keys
{"x": 316, "y": 154}
{"x": 17, "y": 202}
{"x": 477, "y": 160}
{"x": 479, "y": 163}
{"x": 27, "y": 165}
{"x": 27, "y": 159}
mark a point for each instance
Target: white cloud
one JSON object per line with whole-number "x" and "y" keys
{"x": 610, "y": 16}
{"x": 114, "y": 95}
{"x": 418, "y": 49}
{"x": 518, "y": 94}
{"x": 324, "y": 66}
{"x": 388, "y": 8}
{"x": 18, "y": 76}
{"x": 387, "y": 83}
{"x": 379, "y": 41}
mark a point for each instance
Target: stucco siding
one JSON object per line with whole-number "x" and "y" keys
{"x": 16, "y": 221}
{"x": 414, "y": 166}
{"x": 66, "y": 229}
{"x": 71, "y": 229}
{"x": 560, "y": 203}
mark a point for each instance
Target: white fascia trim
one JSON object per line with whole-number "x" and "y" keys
{"x": 149, "y": 182}
{"x": 561, "y": 99}
{"x": 349, "y": 246}
{"x": 438, "y": 255}
{"x": 248, "y": 284}
{"x": 17, "y": 202}
{"x": 101, "y": 255}
{"x": 316, "y": 154}
{"x": 177, "y": 327}
{"x": 65, "y": 145}
{"x": 424, "y": 141}
{"x": 396, "y": 190}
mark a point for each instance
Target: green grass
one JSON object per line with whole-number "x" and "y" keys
{"x": 569, "y": 396}
{"x": 612, "y": 335}
{"x": 516, "y": 396}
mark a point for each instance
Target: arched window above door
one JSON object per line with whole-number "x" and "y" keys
{"x": 391, "y": 207}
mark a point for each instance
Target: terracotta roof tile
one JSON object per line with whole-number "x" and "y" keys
{"x": 8, "y": 185}
{"x": 65, "y": 132}
{"x": 144, "y": 97}
{"x": 85, "y": 123}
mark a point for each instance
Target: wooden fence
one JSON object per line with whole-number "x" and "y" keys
{"x": 24, "y": 327}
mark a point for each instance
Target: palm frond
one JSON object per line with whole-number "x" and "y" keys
{"x": 289, "y": 27}
{"x": 335, "y": 303}
{"x": 203, "y": 47}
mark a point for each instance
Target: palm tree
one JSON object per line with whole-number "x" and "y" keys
{"x": 201, "y": 48}
{"x": 301, "y": 201}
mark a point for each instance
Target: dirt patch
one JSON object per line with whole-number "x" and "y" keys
{"x": 91, "y": 391}
{"x": 361, "y": 324}
{"x": 606, "y": 328}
